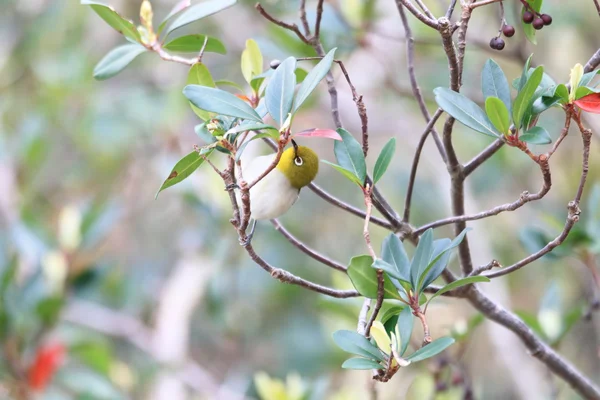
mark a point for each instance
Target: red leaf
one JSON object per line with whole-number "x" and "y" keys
{"x": 321, "y": 133}
{"x": 589, "y": 103}
{"x": 44, "y": 366}
{"x": 243, "y": 97}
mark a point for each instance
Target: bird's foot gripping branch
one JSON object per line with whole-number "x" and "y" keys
{"x": 394, "y": 285}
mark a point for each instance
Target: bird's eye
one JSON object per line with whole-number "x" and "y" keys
{"x": 298, "y": 161}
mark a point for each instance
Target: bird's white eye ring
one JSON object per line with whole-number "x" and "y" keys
{"x": 298, "y": 161}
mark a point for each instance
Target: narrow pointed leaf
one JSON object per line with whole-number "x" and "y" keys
{"x": 198, "y": 11}
{"x": 184, "y": 168}
{"x": 116, "y": 60}
{"x": 525, "y": 96}
{"x": 280, "y": 90}
{"x": 354, "y": 343}
{"x": 347, "y": 174}
{"x": 350, "y": 156}
{"x": 313, "y": 78}
{"x": 194, "y": 43}
{"x": 220, "y": 102}
{"x": 384, "y": 159}
{"x": 465, "y": 111}
{"x": 252, "y": 61}
{"x": 498, "y": 114}
{"x": 361, "y": 363}
{"x": 494, "y": 83}
{"x": 432, "y": 349}
{"x": 458, "y": 283}
{"x": 393, "y": 253}
{"x": 364, "y": 278}
{"x": 179, "y": 7}
{"x": 405, "y": 327}
{"x": 536, "y": 135}
{"x": 524, "y": 75}
{"x": 421, "y": 257}
{"x": 115, "y": 20}
{"x": 587, "y": 78}
{"x": 251, "y": 126}
{"x": 320, "y": 133}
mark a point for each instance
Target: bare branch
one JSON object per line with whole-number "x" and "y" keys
{"x": 292, "y": 27}
{"x": 483, "y": 3}
{"x": 418, "y": 14}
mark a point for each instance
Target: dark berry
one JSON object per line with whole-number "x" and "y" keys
{"x": 274, "y": 64}
{"x": 494, "y": 43}
{"x": 547, "y": 19}
{"x": 528, "y": 17}
{"x": 508, "y": 30}
{"x": 538, "y": 23}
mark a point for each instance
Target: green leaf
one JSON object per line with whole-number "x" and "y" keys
{"x": 536, "y": 135}
{"x": 361, "y": 363}
{"x": 313, "y": 78}
{"x": 280, "y": 90}
{"x": 184, "y": 168}
{"x": 498, "y": 114}
{"x": 204, "y": 134}
{"x": 247, "y": 141}
{"x": 48, "y": 309}
{"x": 587, "y": 78}
{"x": 349, "y": 155}
{"x": 194, "y": 43}
{"x": 563, "y": 92}
{"x": 528, "y": 29}
{"x": 388, "y": 312}
{"x": 116, "y": 60}
{"x": 198, "y": 11}
{"x": 541, "y": 104}
{"x": 364, "y": 278}
{"x": 115, "y": 20}
{"x": 464, "y": 110}
{"x": 405, "y": 328}
{"x": 252, "y": 61}
{"x": 225, "y": 82}
{"x": 384, "y": 159}
{"x": 458, "y": 283}
{"x": 421, "y": 257}
{"x": 432, "y": 349}
{"x": 347, "y": 174}
{"x": 220, "y": 102}
{"x": 301, "y": 75}
{"x": 8, "y": 275}
{"x": 200, "y": 75}
{"x": 97, "y": 355}
{"x": 525, "y": 96}
{"x": 583, "y": 91}
{"x": 494, "y": 83}
{"x": 354, "y": 343}
{"x": 393, "y": 253}
{"x": 178, "y": 8}
{"x": 524, "y": 75}
{"x": 251, "y": 126}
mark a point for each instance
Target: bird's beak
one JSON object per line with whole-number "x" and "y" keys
{"x": 295, "y": 148}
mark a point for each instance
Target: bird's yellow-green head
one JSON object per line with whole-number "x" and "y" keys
{"x": 299, "y": 164}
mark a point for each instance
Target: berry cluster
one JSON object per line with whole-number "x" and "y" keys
{"x": 537, "y": 20}
{"x": 530, "y": 16}
{"x": 497, "y": 43}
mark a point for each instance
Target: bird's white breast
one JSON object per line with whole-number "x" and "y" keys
{"x": 273, "y": 195}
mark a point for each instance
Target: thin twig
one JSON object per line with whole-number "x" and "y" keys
{"x": 292, "y": 27}
{"x": 418, "y": 14}
{"x": 483, "y": 3}
{"x": 307, "y": 250}
{"x": 361, "y": 327}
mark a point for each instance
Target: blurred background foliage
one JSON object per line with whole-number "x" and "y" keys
{"x": 141, "y": 298}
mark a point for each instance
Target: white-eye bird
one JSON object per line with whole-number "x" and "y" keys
{"x": 274, "y": 194}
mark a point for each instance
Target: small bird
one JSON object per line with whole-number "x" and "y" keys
{"x": 273, "y": 195}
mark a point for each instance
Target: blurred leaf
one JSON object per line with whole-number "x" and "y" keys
{"x": 393, "y": 253}
{"x": 301, "y": 75}
{"x": 364, "y": 278}
{"x": 184, "y": 168}
{"x": 225, "y": 82}
{"x": 321, "y": 133}
{"x": 48, "y": 309}
{"x": 587, "y": 78}
{"x": 528, "y": 29}
{"x": 9, "y": 271}
{"x": 116, "y": 60}
{"x": 549, "y": 315}
{"x": 534, "y": 239}
{"x": 313, "y": 78}
{"x": 114, "y": 19}
{"x": 525, "y": 96}
{"x": 97, "y": 355}
{"x": 464, "y": 110}
{"x": 532, "y": 322}
{"x": 458, "y": 283}
{"x": 252, "y": 61}
{"x": 200, "y": 75}
{"x": 361, "y": 363}
{"x": 220, "y": 102}
{"x": 536, "y": 135}
{"x": 280, "y": 90}
{"x": 494, "y": 83}
{"x": 347, "y": 174}
{"x": 194, "y": 43}
{"x": 198, "y": 11}
{"x": 432, "y": 349}
{"x": 349, "y": 155}
{"x": 405, "y": 327}
{"x": 592, "y": 223}
{"x": 179, "y": 7}
{"x": 354, "y": 343}
{"x": 589, "y": 103}
{"x": 384, "y": 159}
{"x": 498, "y": 114}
